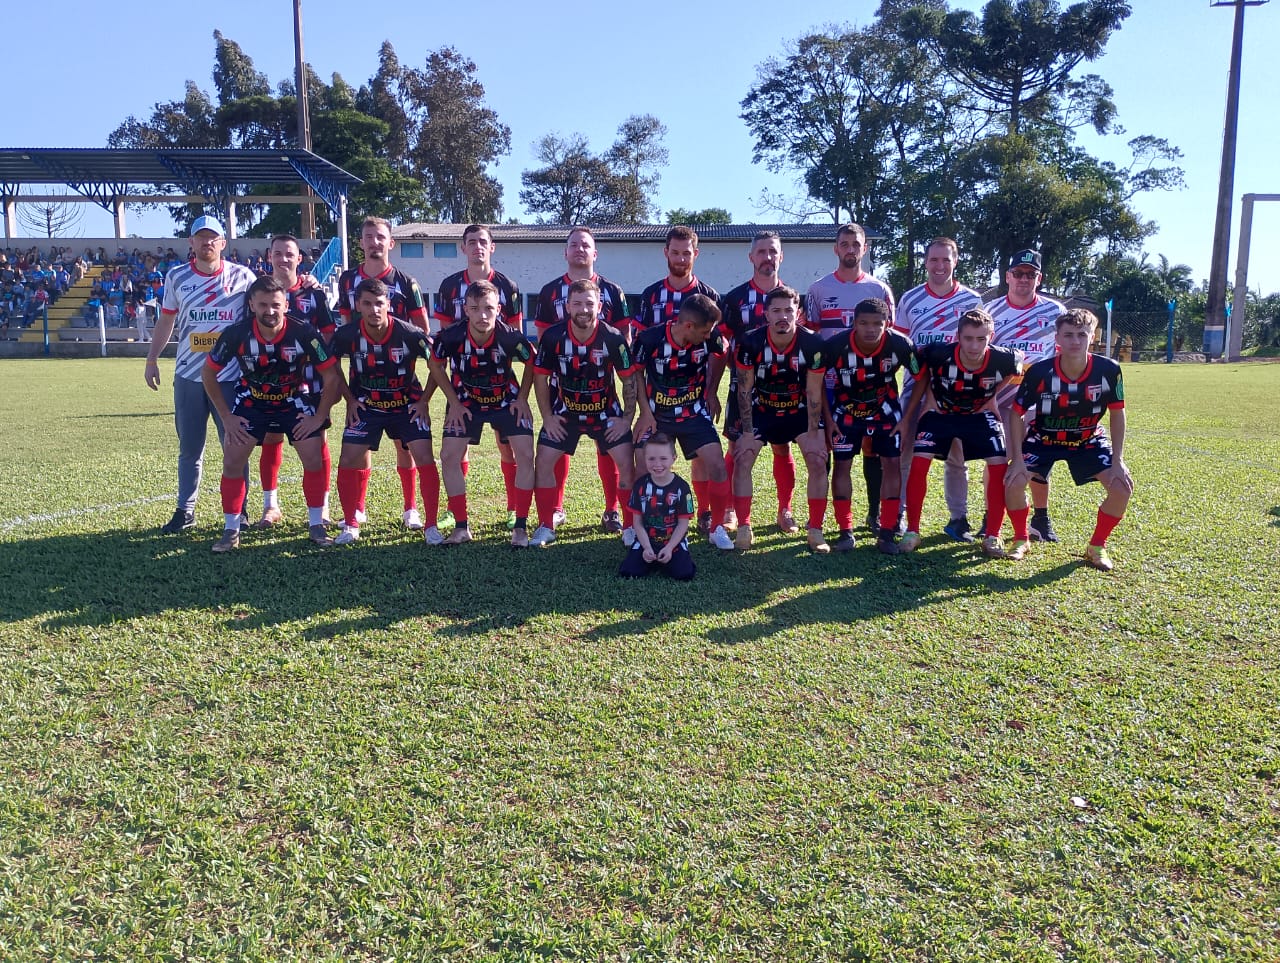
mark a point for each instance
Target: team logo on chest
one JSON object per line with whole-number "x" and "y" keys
{"x": 1093, "y": 392}
{"x": 289, "y": 352}
{"x": 398, "y": 354}
{"x": 598, "y": 356}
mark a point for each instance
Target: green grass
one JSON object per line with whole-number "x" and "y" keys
{"x": 394, "y": 752}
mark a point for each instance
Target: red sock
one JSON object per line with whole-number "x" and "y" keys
{"x": 562, "y": 479}
{"x": 458, "y": 505}
{"x": 742, "y": 505}
{"x": 269, "y": 462}
{"x": 1101, "y": 531}
{"x": 429, "y": 484}
{"x": 466, "y": 466}
{"x": 315, "y": 486}
{"x": 843, "y": 511}
{"x": 233, "y": 491}
{"x": 607, "y": 468}
{"x": 545, "y": 496}
{"x": 1019, "y": 518}
{"x": 327, "y": 462}
{"x": 509, "y": 480}
{"x": 524, "y": 498}
{"x": 408, "y": 486}
{"x": 889, "y": 508}
{"x": 352, "y": 485}
{"x": 995, "y": 499}
{"x": 719, "y": 496}
{"x": 784, "y": 476}
{"x": 917, "y": 488}
{"x": 702, "y": 494}
{"x": 817, "y": 512}
{"x": 728, "y": 465}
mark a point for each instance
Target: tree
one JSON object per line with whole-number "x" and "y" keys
{"x": 234, "y": 76}
{"x": 635, "y": 159}
{"x": 708, "y": 215}
{"x": 51, "y": 218}
{"x": 574, "y": 186}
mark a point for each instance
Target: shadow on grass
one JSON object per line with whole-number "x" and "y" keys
{"x": 1275, "y": 516}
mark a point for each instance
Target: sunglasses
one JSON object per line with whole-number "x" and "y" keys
{"x": 1024, "y": 275}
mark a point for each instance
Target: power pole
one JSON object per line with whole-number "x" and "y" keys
{"x": 1216, "y": 301}
{"x": 304, "y": 116}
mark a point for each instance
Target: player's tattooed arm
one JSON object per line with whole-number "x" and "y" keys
{"x": 630, "y": 395}
{"x": 746, "y": 382}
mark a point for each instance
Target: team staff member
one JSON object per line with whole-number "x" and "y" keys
{"x": 203, "y": 298}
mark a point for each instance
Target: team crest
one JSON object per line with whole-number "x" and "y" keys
{"x": 398, "y": 354}
{"x": 795, "y": 362}
{"x": 306, "y": 303}
{"x": 1093, "y": 392}
{"x": 289, "y": 353}
{"x": 987, "y": 383}
{"x": 672, "y": 497}
{"x": 598, "y": 355}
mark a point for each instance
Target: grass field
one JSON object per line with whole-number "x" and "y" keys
{"x": 394, "y": 752}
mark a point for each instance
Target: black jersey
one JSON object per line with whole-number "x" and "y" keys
{"x": 273, "y": 372}
{"x": 660, "y": 303}
{"x": 311, "y": 305}
{"x": 1066, "y": 412}
{"x": 661, "y": 507}
{"x": 404, "y": 295}
{"x": 866, "y": 385}
{"x": 675, "y": 377}
{"x": 581, "y": 373}
{"x": 957, "y": 390}
{"x": 554, "y": 297}
{"x": 451, "y": 299}
{"x": 481, "y": 374}
{"x": 382, "y": 373}
{"x": 779, "y": 388}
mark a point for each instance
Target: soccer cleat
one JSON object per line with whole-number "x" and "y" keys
{"x": 787, "y": 522}
{"x": 873, "y": 519}
{"x": 511, "y": 520}
{"x": 730, "y": 520}
{"x": 348, "y": 536}
{"x": 845, "y": 542}
{"x": 1041, "y": 528}
{"x": 817, "y": 542}
{"x": 909, "y": 542}
{"x": 611, "y": 523}
{"x": 628, "y": 537}
{"x": 446, "y": 520}
{"x": 959, "y": 529}
{"x": 180, "y": 522}
{"x": 361, "y": 517}
{"x": 412, "y": 520}
{"x": 520, "y": 537}
{"x": 885, "y": 545}
{"x": 229, "y": 541}
{"x": 993, "y": 547}
{"x": 319, "y": 535}
{"x": 744, "y": 539}
{"x": 459, "y": 536}
{"x": 270, "y": 517}
{"x": 1018, "y": 549}
{"x": 431, "y": 535}
{"x": 542, "y": 537}
{"x": 1095, "y": 556}
{"x": 720, "y": 539}
{"x": 559, "y": 518}
{"x": 704, "y": 523}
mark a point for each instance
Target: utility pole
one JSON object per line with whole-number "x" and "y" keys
{"x": 1216, "y": 301}
{"x": 304, "y": 116}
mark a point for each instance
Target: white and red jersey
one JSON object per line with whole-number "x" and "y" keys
{"x": 830, "y": 303}
{"x": 1028, "y": 328}
{"x": 929, "y": 318}
{"x": 205, "y": 306}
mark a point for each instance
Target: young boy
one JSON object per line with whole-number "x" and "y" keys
{"x": 1066, "y": 397}
{"x": 661, "y": 506}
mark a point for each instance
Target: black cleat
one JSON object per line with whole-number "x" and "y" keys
{"x": 1041, "y": 528}
{"x": 959, "y": 529}
{"x": 180, "y": 522}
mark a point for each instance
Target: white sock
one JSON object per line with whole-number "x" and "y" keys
{"x": 270, "y": 499}
{"x": 315, "y": 516}
{"x": 231, "y": 522}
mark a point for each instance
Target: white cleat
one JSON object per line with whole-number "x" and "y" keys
{"x": 412, "y": 520}
{"x": 431, "y": 535}
{"x": 543, "y": 537}
{"x": 720, "y": 539}
{"x": 348, "y": 536}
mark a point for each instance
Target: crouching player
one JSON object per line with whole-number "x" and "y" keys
{"x": 274, "y": 395}
{"x": 480, "y": 385}
{"x": 1064, "y": 399}
{"x": 962, "y": 381}
{"x": 773, "y": 364}
{"x": 661, "y": 506}
{"x": 384, "y": 396}
{"x": 865, "y": 415}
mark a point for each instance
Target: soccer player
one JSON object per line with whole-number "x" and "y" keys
{"x": 307, "y": 302}
{"x": 863, "y": 411}
{"x": 271, "y": 352}
{"x": 384, "y": 395}
{"x": 661, "y": 506}
{"x": 203, "y": 298}
{"x": 961, "y": 383}
{"x": 580, "y": 257}
{"x": 406, "y": 303}
{"x": 1064, "y": 399}
{"x": 573, "y": 380}
{"x": 830, "y": 305}
{"x": 774, "y": 363}
{"x": 481, "y": 388}
{"x": 930, "y": 314}
{"x": 1025, "y": 321}
{"x": 674, "y": 361}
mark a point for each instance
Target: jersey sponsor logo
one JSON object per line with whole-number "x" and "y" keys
{"x": 198, "y": 316}
{"x": 203, "y": 341}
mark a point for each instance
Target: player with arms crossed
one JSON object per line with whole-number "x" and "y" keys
{"x": 661, "y": 506}
{"x": 1064, "y": 399}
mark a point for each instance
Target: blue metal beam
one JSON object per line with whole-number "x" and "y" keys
{"x": 327, "y": 188}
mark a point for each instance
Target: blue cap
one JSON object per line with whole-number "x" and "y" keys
{"x": 207, "y": 223}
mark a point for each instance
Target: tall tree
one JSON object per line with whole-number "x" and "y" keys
{"x": 636, "y": 159}
{"x": 573, "y": 186}
{"x": 383, "y": 97}
{"x": 234, "y": 76}
{"x": 708, "y": 215}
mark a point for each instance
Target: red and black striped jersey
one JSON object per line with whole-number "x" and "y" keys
{"x": 865, "y": 385}
{"x": 382, "y": 372}
{"x": 311, "y": 304}
{"x": 404, "y": 295}
{"x": 659, "y": 303}
{"x": 581, "y": 373}
{"x": 660, "y": 507}
{"x": 554, "y": 296}
{"x": 273, "y": 375}
{"x": 481, "y": 374}
{"x": 780, "y": 374}
{"x": 958, "y": 390}
{"x": 452, "y": 297}
{"x": 675, "y": 377}
{"x": 1069, "y": 412}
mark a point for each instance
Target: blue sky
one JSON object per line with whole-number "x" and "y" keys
{"x": 689, "y": 65}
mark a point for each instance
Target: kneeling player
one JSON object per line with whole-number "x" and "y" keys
{"x": 1065, "y": 398}
{"x": 384, "y": 396}
{"x": 481, "y": 388}
{"x": 773, "y": 364}
{"x": 661, "y": 506}
{"x": 962, "y": 382}
{"x": 273, "y": 395}
{"x": 573, "y": 380}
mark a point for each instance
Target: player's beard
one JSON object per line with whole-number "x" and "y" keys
{"x": 851, "y": 263}
{"x": 684, "y": 271}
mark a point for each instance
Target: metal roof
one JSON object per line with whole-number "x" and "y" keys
{"x": 623, "y": 232}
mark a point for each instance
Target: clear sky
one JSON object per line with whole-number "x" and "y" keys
{"x": 690, "y": 66}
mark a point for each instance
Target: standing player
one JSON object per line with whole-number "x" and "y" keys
{"x": 674, "y": 361}
{"x": 1025, "y": 321}
{"x": 405, "y": 300}
{"x": 1065, "y": 398}
{"x": 203, "y": 298}
{"x": 573, "y": 380}
{"x": 660, "y": 506}
{"x": 271, "y": 352}
{"x": 961, "y": 383}
{"x": 481, "y": 388}
{"x": 774, "y": 363}
{"x": 831, "y": 304}
{"x": 930, "y": 314}
{"x": 580, "y": 257}
{"x": 384, "y": 395}
{"x": 307, "y": 302}
{"x": 863, "y": 410}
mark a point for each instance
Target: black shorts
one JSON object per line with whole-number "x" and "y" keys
{"x": 873, "y": 436}
{"x": 504, "y": 424}
{"x": 280, "y": 422}
{"x": 680, "y": 567}
{"x": 399, "y": 425}
{"x": 774, "y": 430}
{"x": 574, "y": 430}
{"x": 691, "y": 434}
{"x": 1086, "y": 460}
{"x": 981, "y": 435}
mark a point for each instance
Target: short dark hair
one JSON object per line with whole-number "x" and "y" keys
{"x": 268, "y": 284}
{"x": 658, "y": 438}
{"x": 482, "y": 289}
{"x": 946, "y": 242}
{"x": 876, "y": 306}
{"x": 702, "y": 306}
{"x": 766, "y": 236}
{"x": 1076, "y": 317}
{"x": 579, "y": 229}
{"x": 857, "y": 230}
{"x": 976, "y": 318}
{"x": 476, "y": 229}
{"x": 780, "y": 292}
{"x": 283, "y": 237}
{"x": 581, "y": 285}
{"x": 372, "y": 286}
{"x": 372, "y": 221}
{"x": 682, "y": 232}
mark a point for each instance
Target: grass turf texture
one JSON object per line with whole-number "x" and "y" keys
{"x": 402, "y": 752}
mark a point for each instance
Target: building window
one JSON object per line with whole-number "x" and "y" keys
{"x": 445, "y": 249}
{"x": 411, "y": 249}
